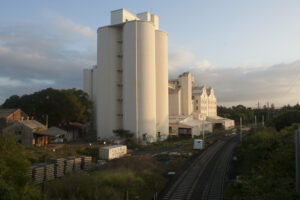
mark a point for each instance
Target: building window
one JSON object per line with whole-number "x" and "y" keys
{"x": 196, "y": 101}
{"x": 196, "y": 107}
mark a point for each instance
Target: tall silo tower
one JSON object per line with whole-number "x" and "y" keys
{"x": 131, "y": 77}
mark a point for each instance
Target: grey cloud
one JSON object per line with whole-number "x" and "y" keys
{"x": 278, "y": 84}
{"x": 37, "y": 56}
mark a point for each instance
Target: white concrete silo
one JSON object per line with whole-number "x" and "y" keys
{"x": 162, "y": 101}
{"x": 109, "y": 85}
{"x": 139, "y": 91}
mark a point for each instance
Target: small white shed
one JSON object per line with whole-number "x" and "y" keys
{"x": 198, "y": 144}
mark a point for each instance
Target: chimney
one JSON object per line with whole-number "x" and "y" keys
{"x": 32, "y": 118}
{"x": 27, "y": 117}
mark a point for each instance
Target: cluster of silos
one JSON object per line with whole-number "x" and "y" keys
{"x": 131, "y": 78}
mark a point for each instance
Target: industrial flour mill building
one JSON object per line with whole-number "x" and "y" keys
{"x": 193, "y": 109}
{"x": 129, "y": 84}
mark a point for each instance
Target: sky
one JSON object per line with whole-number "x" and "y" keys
{"x": 248, "y": 50}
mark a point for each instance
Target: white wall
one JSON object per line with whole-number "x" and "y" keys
{"x": 130, "y": 77}
{"x": 121, "y": 16}
{"x": 146, "y": 79}
{"x": 175, "y": 103}
{"x": 107, "y": 83}
{"x": 162, "y": 97}
{"x": 185, "y": 81}
{"x": 139, "y": 83}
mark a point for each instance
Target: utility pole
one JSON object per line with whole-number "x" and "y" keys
{"x": 268, "y": 117}
{"x": 203, "y": 130}
{"x": 255, "y": 121}
{"x": 126, "y": 195}
{"x": 263, "y": 120}
{"x": 297, "y": 159}
{"x": 241, "y": 132}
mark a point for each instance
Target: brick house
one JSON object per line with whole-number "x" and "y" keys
{"x": 9, "y": 116}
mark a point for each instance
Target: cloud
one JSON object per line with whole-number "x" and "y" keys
{"x": 53, "y": 54}
{"x": 37, "y": 56}
{"x": 69, "y": 27}
{"x": 278, "y": 84}
{"x": 37, "y": 81}
{"x": 6, "y": 81}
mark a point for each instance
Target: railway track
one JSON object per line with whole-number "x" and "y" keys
{"x": 213, "y": 189}
{"x": 199, "y": 181}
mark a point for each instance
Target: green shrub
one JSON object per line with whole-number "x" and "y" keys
{"x": 266, "y": 162}
{"x": 14, "y": 184}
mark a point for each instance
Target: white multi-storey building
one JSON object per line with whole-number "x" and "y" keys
{"x": 180, "y": 95}
{"x": 205, "y": 102}
{"x": 192, "y": 109}
{"x": 129, "y": 85}
{"x": 186, "y": 99}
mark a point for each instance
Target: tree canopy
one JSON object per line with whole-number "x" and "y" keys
{"x": 266, "y": 113}
{"x": 286, "y": 119}
{"x": 61, "y": 106}
{"x": 266, "y": 166}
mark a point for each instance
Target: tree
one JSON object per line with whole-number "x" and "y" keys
{"x": 13, "y": 168}
{"x": 236, "y": 112}
{"x": 286, "y": 119}
{"x": 61, "y": 106}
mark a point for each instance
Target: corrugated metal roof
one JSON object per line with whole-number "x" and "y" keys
{"x": 194, "y": 122}
{"x": 32, "y": 124}
{"x": 113, "y": 146}
{"x": 53, "y": 131}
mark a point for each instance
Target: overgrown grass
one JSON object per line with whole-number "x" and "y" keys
{"x": 40, "y": 154}
{"x": 170, "y": 141}
{"x": 107, "y": 185}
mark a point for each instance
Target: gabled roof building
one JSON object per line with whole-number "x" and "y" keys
{"x": 8, "y": 116}
{"x": 192, "y": 109}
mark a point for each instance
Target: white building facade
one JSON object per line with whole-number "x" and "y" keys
{"x": 205, "y": 101}
{"x": 185, "y": 98}
{"x": 129, "y": 85}
{"x": 193, "y": 109}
